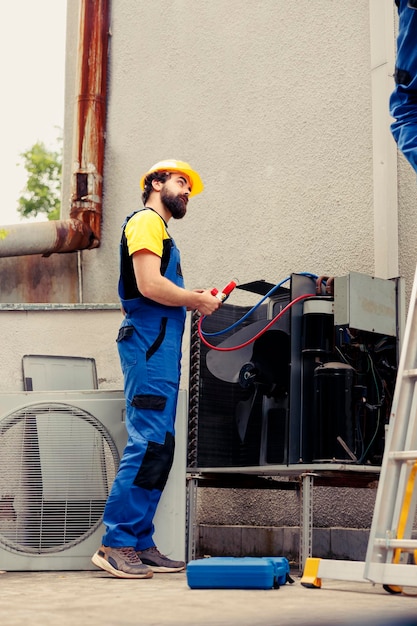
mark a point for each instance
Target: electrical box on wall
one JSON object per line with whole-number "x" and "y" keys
{"x": 366, "y": 303}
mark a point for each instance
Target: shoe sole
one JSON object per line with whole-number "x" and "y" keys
{"x": 160, "y": 569}
{"x": 107, "y": 567}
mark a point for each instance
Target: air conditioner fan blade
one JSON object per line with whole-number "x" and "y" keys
{"x": 243, "y": 413}
{"x": 227, "y": 365}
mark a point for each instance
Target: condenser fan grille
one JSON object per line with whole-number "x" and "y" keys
{"x": 56, "y": 468}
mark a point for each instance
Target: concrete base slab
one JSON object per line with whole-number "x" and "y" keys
{"x": 96, "y": 598}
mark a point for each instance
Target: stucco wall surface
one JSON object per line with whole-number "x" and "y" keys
{"x": 354, "y": 507}
{"x": 407, "y": 220}
{"x": 271, "y": 102}
{"x": 60, "y": 332}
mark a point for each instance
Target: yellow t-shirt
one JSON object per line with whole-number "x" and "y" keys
{"x": 146, "y": 230}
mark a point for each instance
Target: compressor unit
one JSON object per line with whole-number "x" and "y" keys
{"x": 305, "y": 377}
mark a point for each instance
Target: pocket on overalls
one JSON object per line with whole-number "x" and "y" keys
{"x": 159, "y": 339}
{"x": 156, "y": 464}
{"x": 126, "y": 346}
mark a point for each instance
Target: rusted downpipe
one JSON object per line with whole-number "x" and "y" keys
{"x": 87, "y": 181}
{"x": 83, "y": 229}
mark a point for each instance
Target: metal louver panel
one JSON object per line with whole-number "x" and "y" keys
{"x": 57, "y": 465}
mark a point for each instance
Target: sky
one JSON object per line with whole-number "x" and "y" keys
{"x": 32, "y": 67}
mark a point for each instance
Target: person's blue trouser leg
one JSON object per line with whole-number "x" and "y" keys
{"x": 150, "y": 353}
{"x": 403, "y": 101}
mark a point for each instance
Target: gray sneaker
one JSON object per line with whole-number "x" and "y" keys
{"x": 159, "y": 562}
{"x": 121, "y": 562}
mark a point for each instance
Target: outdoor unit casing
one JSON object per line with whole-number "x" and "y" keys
{"x": 59, "y": 453}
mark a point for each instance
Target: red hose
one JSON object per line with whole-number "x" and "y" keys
{"x": 259, "y": 334}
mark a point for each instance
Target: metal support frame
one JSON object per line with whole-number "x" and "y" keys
{"x": 306, "y": 519}
{"x": 191, "y": 517}
{"x": 303, "y": 475}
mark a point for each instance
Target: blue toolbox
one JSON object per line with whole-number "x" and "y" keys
{"x": 229, "y": 572}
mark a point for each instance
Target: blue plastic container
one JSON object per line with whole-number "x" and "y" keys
{"x": 228, "y": 572}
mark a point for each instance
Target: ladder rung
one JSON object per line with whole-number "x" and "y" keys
{"x": 404, "y": 455}
{"x": 412, "y": 373}
{"x": 403, "y": 544}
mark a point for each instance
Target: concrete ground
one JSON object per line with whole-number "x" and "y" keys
{"x": 93, "y": 597}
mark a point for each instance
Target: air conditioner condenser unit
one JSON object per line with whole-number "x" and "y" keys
{"x": 59, "y": 454}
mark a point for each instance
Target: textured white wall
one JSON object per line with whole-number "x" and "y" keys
{"x": 407, "y": 222}
{"x": 59, "y": 332}
{"x": 271, "y": 102}
{"x": 64, "y": 330}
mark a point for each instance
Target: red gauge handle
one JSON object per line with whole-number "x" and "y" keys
{"x": 229, "y": 288}
{"x": 226, "y": 291}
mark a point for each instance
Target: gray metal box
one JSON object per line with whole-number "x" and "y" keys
{"x": 366, "y": 303}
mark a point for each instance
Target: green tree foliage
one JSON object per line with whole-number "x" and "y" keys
{"x": 42, "y": 194}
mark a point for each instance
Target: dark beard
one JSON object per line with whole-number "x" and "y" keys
{"x": 176, "y": 205}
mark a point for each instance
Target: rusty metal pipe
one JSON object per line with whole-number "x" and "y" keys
{"x": 89, "y": 139}
{"x": 44, "y": 238}
{"x": 83, "y": 229}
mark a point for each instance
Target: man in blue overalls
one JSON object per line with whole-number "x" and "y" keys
{"x": 403, "y": 102}
{"x": 154, "y": 301}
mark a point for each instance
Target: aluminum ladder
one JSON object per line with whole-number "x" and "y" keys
{"x": 391, "y": 555}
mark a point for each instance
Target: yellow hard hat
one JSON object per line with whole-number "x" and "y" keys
{"x": 176, "y": 166}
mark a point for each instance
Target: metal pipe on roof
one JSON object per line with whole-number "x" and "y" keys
{"x": 83, "y": 229}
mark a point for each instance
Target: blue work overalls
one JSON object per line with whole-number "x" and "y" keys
{"x": 149, "y": 344}
{"x": 403, "y": 101}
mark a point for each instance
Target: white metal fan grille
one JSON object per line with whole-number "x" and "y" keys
{"x": 57, "y": 465}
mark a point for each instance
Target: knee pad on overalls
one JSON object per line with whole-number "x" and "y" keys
{"x": 157, "y": 462}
